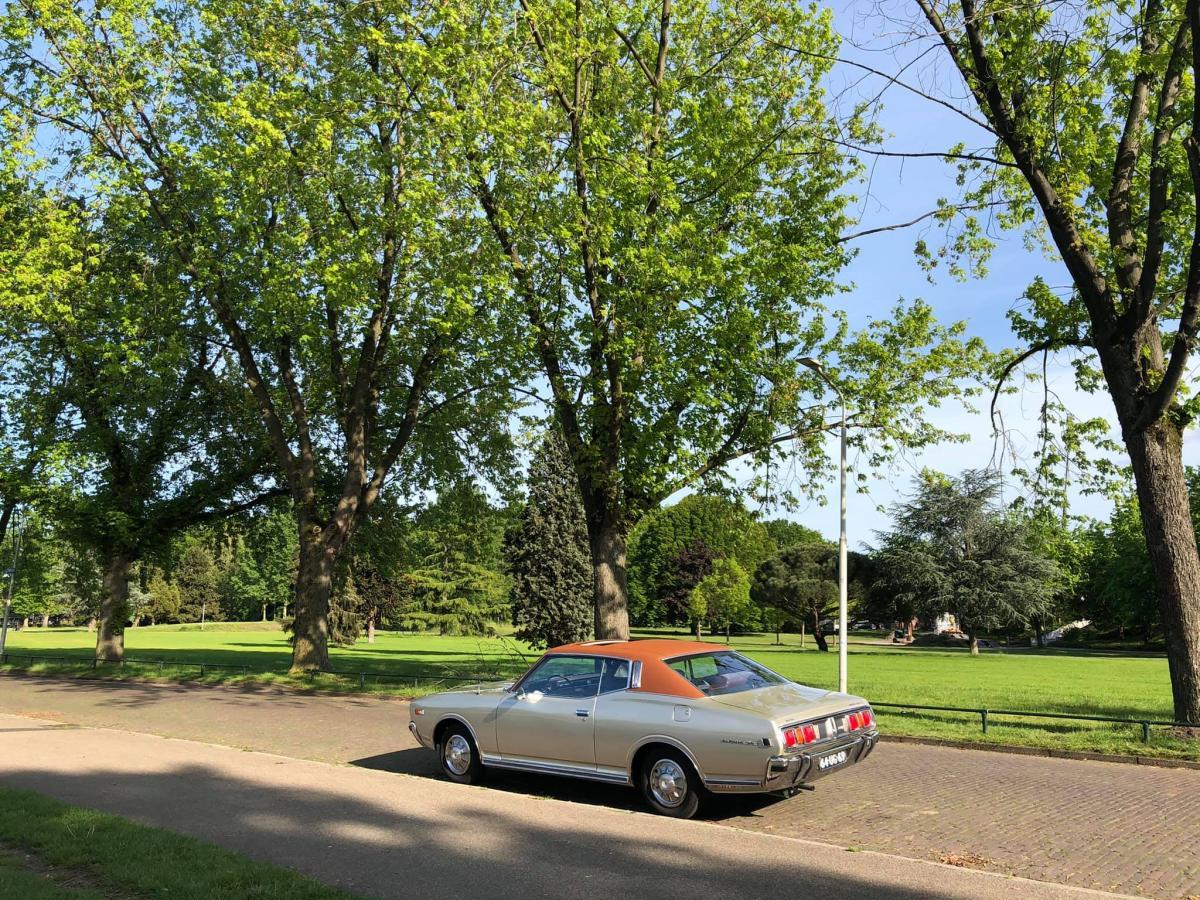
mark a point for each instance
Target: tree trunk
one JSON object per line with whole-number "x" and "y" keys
{"x": 264, "y": 612}
{"x": 818, "y": 635}
{"x": 91, "y": 624}
{"x": 45, "y": 620}
{"x": 801, "y": 635}
{"x": 114, "y": 607}
{"x": 727, "y": 632}
{"x": 974, "y": 644}
{"x": 610, "y": 580}
{"x": 697, "y": 629}
{"x": 371, "y": 629}
{"x": 1157, "y": 460}
{"x": 24, "y": 622}
{"x": 314, "y": 587}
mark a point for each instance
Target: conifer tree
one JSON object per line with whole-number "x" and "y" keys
{"x": 547, "y": 554}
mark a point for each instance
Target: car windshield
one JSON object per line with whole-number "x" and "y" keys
{"x": 724, "y": 672}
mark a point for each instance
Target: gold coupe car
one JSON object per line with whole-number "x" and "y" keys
{"x": 676, "y": 719}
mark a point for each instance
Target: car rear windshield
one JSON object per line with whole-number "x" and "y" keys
{"x": 724, "y": 672}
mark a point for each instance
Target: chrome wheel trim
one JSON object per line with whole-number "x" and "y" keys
{"x": 456, "y": 754}
{"x": 668, "y": 783}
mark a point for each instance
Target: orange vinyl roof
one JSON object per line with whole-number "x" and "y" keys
{"x": 657, "y": 676}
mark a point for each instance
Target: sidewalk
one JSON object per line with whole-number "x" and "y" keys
{"x": 389, "y": 835}
{"x": 1129, "y": 829}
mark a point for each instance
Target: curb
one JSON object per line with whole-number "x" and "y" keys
{"x": 1154, "y": 761}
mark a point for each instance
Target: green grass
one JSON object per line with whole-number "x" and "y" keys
{"x": 1128, "y": 686}
{"x": 49, "y": 851}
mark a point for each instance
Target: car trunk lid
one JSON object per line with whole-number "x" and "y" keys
{"x": 785, "y": 704}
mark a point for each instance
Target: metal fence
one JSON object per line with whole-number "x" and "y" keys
{"x": 985, "y": 714}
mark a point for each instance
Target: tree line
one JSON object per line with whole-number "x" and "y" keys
{"x": 469, "y": 564}
{"x": 332, "y": 253}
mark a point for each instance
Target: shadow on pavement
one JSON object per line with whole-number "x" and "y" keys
{"x": 461, "y": 843}
{"x": 418, "y": 761}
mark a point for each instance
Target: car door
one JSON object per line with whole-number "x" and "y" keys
{"x": 548, "y": 717}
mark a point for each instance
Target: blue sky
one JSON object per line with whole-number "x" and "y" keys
{"x": 885, "y": 269}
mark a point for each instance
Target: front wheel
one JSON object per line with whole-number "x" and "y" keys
{"x": 459, "y": 756}
{"x": 670, "y": 784}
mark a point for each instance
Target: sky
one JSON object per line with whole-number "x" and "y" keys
{"x": 885, "y": 269}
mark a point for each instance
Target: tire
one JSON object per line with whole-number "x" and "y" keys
{"x": 458, "y": 755}
{"x": 669, "y": 783}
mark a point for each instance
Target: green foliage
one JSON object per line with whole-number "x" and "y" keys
{"x": 786, "y": 533}
{"x": 458, "y": 599}
{"x": 453, "y": 565}
{"x": 546, "y": 554}
{"x": 725, "y": 527}
{"x": 262, "y": 575}
{"x": 953, "y": 549}
{"x": 722, "y": 598}
{"x": 197, "y": 575}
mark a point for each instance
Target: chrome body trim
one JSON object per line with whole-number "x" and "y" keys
{"x": 564, "y": 769}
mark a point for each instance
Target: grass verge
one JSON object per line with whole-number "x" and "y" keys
{"x": 59, "y": 851}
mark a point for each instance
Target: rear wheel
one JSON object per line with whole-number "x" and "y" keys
{"x": 459, "y": 756}
{"x": 670, "y": 784}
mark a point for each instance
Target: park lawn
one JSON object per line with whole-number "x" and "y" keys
{"x": 1132, "y": 686}
{"x": 51, "y": 851}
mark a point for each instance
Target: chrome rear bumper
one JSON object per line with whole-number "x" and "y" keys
{"x": 802, "y": 768}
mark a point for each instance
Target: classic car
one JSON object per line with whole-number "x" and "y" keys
{"x": 676, "y": 719}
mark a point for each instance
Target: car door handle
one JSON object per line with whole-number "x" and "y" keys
{"x": 582, "y": 713}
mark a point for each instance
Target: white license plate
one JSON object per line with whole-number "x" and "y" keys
{"x": 833, "y": 760}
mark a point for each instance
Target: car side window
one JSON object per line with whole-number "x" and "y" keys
{"x": 565, "y": 676}
{"x": 616, "y": 676}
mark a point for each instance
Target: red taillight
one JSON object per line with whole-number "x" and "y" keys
{"x": 789, "y": 738}
{"x": 810, "y": 733}
{"x": 860, "y": 719}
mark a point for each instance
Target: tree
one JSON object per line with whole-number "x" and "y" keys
{"x": 954, "y": 550}
{"x": 546, "y": 554}
{"x": 295, "y": 160}
{"x": 690, "y": 565}
{"x": 452, "y": 564}
{"x": 800, "y": 582}
{"x": 786, "y": 533}
{"x": 262, "y": 574}
{"x": 723, "y": 597}
{"x": 670, "y": 551}
{"x": 164, "y": 601}
{"x": 197, "y": 576}
{"x": 1092, "y": 110}
{"x": 665, "y": 193}
{"x": 145, "y": 419}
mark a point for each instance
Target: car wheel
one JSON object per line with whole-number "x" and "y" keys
{"x": 459, "y": 756}
{"x": 670, "y": 784}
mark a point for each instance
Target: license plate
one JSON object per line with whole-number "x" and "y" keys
{"x": 833, "y": 760}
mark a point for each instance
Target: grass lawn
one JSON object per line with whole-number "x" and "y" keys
{"x": 1134, "y": 686}
{"x": 51, "y": 851}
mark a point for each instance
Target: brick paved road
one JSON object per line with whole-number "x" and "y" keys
{"x": 1131, "y": 829}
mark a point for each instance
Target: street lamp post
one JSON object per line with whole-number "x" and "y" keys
{"x": 843, "y": 583}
